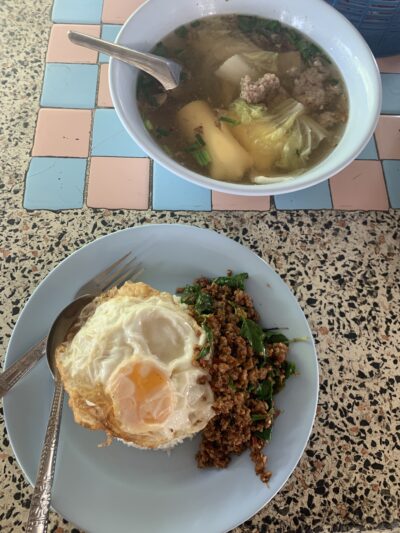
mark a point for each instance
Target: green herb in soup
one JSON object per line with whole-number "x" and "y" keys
{"x": 257, "y": 100}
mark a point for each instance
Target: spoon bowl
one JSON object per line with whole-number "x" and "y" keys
{"x": 61, "y": 327}
{"x": 41, "y": 498}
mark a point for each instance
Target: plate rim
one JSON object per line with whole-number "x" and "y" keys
{"x": 185, "y": 227}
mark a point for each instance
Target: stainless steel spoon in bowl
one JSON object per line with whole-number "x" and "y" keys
{"x": 40, "y": 502}
{"x": 166, "y": 71}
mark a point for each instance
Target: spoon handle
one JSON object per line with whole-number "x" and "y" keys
{"x": 166, "y": 71}
{"x": 40, "y": 502}
{"x": 16, "y": 371}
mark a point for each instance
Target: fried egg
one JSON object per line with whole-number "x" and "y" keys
{"x": 129, "y": 370}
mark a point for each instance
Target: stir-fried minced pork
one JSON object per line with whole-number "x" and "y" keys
{"x": 242, "y": 380}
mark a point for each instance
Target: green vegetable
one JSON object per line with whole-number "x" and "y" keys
{"x": 265, "y": 434}
{"x": 235, "y": 282}
{"x": 199, "y": 151}
{"x": 229, "y": 120}
{"x": 201, "y": 301}
{"x": 207, "y": 348}
{"x": 283, "y": 135}
{"x": 167, "y": 149}
{"x": 273, "y": 337}
{"x": 195, "y": 23}
{"x": 160, "y": 50}
{"x": 251, "y": 331}
{"x": 256, "y": 418}
{"x": 333, "y": 81}
{"x": 181, "y": 32}
{"x": 307, "y": 49}
{"x": 290, "y": 369}
{"x": 264, "y": 392}
{"x": 162, "y": 132}
{"x": 231, "y": 385}
{"x": 246, "y": 23}
{"x": 204, "y": 303}
{"x": 248, "y": 112}
{"x": 148, "y": 125}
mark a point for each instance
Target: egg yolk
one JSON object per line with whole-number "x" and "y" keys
{"x": 151, "y": 392}
{"x": 141, "y": 395}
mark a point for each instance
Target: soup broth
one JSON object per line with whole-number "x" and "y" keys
{"x": 258, "y": 101}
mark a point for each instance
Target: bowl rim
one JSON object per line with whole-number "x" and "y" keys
{"x": 246, "y": 189}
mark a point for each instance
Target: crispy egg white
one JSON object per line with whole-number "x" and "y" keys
{"x": 129, "y": 368}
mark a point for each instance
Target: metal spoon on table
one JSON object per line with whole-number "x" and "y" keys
{"x": 166, "y": 71}
{"x": 41, "y": 498}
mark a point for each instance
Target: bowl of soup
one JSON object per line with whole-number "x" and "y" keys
{"x": 274, "y": 96}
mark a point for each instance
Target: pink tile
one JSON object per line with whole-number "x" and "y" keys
{"x": 62, "y": 132}
{"x": 231, "y": 202}
{"x": 360, "y": 186}
{"x": 104, "y": 96}
{"x": 117, "y": 11}
{"x": 119, "y": 183}
{"x": 388, "y": 137}
{"x": 61, "y": 50}
{"x": 389, "y": 64}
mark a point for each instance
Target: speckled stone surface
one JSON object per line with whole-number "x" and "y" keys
{"x": 343, "y": 267}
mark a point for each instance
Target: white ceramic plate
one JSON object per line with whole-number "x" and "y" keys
{"x": 120, "y": 489}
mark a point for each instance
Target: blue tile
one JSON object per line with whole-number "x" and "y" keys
{"x": 55, "y": 183}
{"x": 173, "y": 193}
{"x": 79, "y": 11}
{"x": 69, "y": 85}
{"x": 391, "y": 94}
{"x": 317, "y": 197}
{"x": 110, "y": 137}
{"x": 109, "y": 32}
{"x": 392, "y": 177}
{"x": 369, "y": 151}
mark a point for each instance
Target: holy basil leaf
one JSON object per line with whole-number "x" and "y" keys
{"x": 273, "y": 337}
{"x": 235, "y": 282}
{"x": 251, "y": 331}
{"x": 190, "y": 294}
{"x": 290, "y": 369}
{"x": 204, "y": 303}
{"x": 256, "y": 417}
{"x": 264, "y": 392}
{"x": 207, "y": 348}
{"x": 265, "y": 434}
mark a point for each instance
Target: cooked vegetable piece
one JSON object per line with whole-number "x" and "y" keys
{"x": 229, "y": 160}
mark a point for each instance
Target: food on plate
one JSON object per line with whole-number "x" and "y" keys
{"x": 247, "y": 365}
{"x": 151, "y": 369}
{"x": 258, "y": 101}
{"x": 127, "y": 366}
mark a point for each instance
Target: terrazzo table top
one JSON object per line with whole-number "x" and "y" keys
{"x": 344, "y": 267}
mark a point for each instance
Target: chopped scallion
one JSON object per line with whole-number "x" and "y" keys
{"x": 229, "y": 120}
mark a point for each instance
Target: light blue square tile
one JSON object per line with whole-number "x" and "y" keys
{"x": 392, "y": 177}
{"x": 109, "y": 32}
{"x": 77, "y": 11}
{"x": 369, "y": 151}
{"x": 176, "y": 194}
{"x": 69, "y": 85}
{"x": 391, "y": 94}
{"x": 55, "y": 183}
{"x": 110, "y": 137}
{"x": 317, "y": 197}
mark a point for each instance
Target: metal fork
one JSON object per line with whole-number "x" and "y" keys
{"x": 115, "y": 275}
